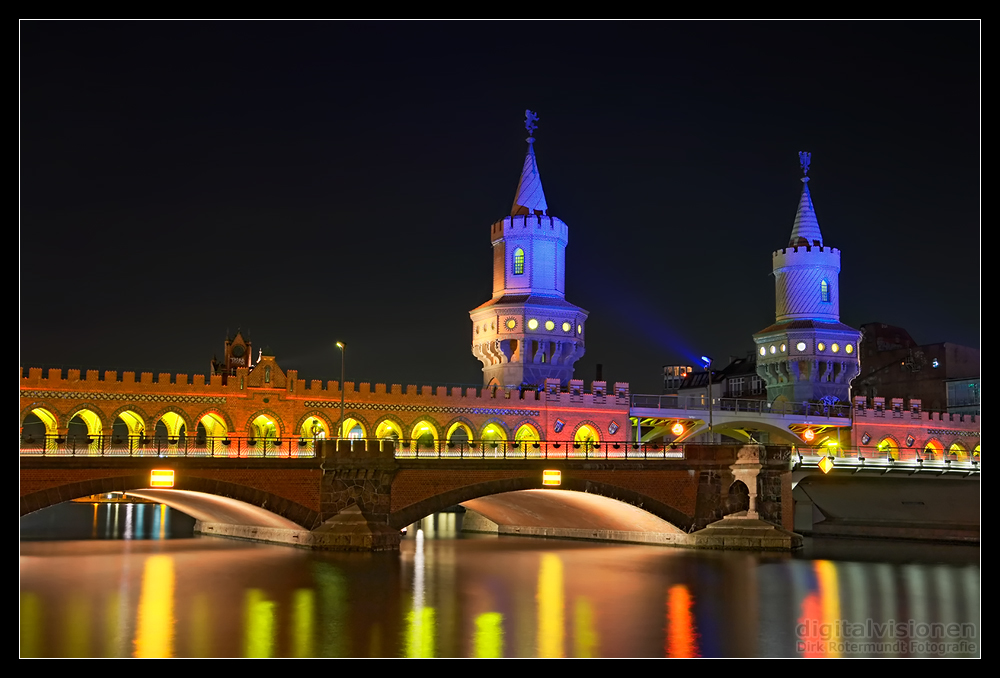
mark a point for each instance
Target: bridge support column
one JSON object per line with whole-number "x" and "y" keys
{"x": 357, "y": 496}
{"x": 747, "y": 469}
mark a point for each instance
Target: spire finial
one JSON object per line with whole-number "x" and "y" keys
{"x": 529, "y": 198}
{"x": 804, "y": 158}
{"x": 530, "y": 118}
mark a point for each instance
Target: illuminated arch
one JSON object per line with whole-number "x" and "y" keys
{"x": 586, "y": 435}
{"x": 215, "y": 423}
{"x": 314, "y": 424}
{"x": 264, "y": 426}
{"x": 39, "y": 430}
{"x": 527, "y": 432}
{"x": 354, "y": 427}
{"x": 889, "y": 446}
{"x": 518, "y": 261}
{"x": 389, "y": 428}
{"x": 494, "y": 429}
{"x": 933, "y": 449}
{"x": 975, "y": 453}
{"x": 424, "y": 435}
{"x": 460, "y": 431}
{"x": 84, "y": 428}
{"x": 212, "y": 432}
{"x": 958, "y": 451}
{"x": 45, "y": 416}
{"x": 175, "y": 420}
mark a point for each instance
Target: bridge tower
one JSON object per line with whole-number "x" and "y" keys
{"x": 807, "y": 354}
{"x": 528, "y": 332}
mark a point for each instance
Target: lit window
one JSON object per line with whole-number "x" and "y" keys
{"x": 511, "y": 323}
{"x": 821, "y": 346}
{"x": 567, "y": 327}
{"x": 835, "y": 347}
{"x": 519, "y": 261}
{"x": 824, "y": 291}
{"x": 772, "y": 349}
{"x": 801, "y": 346}
{"x": 549, "y": 325}
{"x": 849, "y": 348}
{"x": 763, "y": 351}
{"x": 783, "y": 347}
{"x": 579, "y": 329}
{"x": 532, "y": 324}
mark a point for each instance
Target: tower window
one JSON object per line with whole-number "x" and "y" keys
{"x": 519, "y": 261}
{"x": 824, "y": 292}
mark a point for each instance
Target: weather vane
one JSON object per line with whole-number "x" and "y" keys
{"x": 804, "y": 158}
{"x": 530, "y": 118}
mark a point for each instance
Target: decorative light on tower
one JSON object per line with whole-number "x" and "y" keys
{"x": 807, "y": 355}
{"x": 528, "y": 332}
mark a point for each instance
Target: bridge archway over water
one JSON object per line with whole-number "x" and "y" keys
{"x": 577, "y": 503}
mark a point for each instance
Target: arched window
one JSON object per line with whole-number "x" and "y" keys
{"x": 518, "y": 261}
{"x": 824, "y": 292}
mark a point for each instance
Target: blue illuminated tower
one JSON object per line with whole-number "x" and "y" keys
{"x": 528, "y": 332}
{"x": 807, "y": 354}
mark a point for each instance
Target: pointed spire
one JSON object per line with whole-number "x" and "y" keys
{"x": 805, "y": 230}
{"x": 530, "y": 197}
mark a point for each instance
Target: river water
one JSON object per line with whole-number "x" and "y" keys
{"x": 128, "y": 580}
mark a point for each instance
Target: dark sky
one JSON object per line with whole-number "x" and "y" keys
{"x": 315, "y": 182}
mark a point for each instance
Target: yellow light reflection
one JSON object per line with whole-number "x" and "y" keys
{"x": 420, "y": 633}
{"x": 585, "y": 641}
{"x": 489, "y": 636}
{"x": 550, "y": 606}
{"x": 303, "y": 612}
{"x": 154, "y": 635}
{"x": 258, "y": 617}
{"x": 682, "y": 639}
{"x": 31, "y": 625}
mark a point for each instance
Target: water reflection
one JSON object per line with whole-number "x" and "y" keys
{"x": 481, "y": 597}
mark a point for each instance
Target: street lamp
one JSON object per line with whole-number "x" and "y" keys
{"x": 708, "y": 367}
{"x": 340, "y": 433}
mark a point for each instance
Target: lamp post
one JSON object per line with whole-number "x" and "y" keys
{"x": 340, "y": 433}
{"x": 708, "y": 367}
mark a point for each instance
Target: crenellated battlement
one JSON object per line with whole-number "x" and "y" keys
{"x": 530, "y": 224}
{"x": 165, "y": 383}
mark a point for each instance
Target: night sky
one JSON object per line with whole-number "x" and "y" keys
{"x": 315, "y": 182}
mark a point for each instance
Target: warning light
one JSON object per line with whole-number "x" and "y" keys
{"x": 809, "y": 435}
{"x": 826, "y": 464}
{"x": 677, "y": 429}
{"x": 161, "y": 478}
{"x": 551, "y": 477}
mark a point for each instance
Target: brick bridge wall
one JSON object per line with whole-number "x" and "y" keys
{"x": 689, "y": 493}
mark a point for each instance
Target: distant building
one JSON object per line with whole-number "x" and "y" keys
{"x": 943, "y": 376}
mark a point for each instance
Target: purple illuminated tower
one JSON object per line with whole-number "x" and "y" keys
{"x": 528, "y": 332}
{"x": 807, "y": 354}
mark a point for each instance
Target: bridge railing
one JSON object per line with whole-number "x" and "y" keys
{"x": 158, "y": 446}
{"x": 747, "y": 405}
{"x": 885, "y": 460}
{"x": 873, "y": 454}
{"x": 537, "y": 449}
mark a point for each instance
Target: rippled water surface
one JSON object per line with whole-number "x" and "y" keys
{"x": 442, "y": 596}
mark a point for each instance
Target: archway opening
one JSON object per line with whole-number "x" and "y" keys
{"x": 586, "y": 438}
{"x": 887, "y": 448}
{"x": 424, "y": 438}
{"x": 933, "y": 450}
{"x": 958, "y": 452}
{"x": 213, "y": 435}
{"x": 39, "y": 431}
{"x": 494, "y": 440}
{"x": 84, "y": 432}
{"x": 264, "y": 436}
